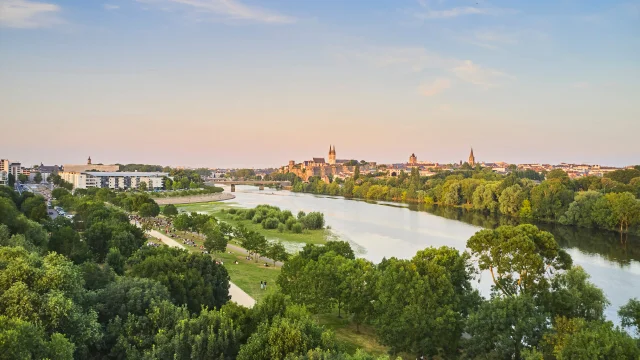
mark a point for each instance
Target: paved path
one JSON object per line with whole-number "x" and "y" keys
{"x": 195, "y": 198}
{"x": 237, "y": 295}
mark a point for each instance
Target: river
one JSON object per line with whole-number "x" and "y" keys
{"x": 378, "y": 230}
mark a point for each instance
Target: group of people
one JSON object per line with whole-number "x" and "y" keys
{"x": 263, "y": 285}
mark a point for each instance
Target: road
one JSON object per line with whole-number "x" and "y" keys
{"x": 237, "y": 295}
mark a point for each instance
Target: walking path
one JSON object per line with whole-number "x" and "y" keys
{"x": 194, "y": 198}
{"x": 237, "y": 295}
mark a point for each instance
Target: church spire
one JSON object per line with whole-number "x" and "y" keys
{"x": 472, "y": 158}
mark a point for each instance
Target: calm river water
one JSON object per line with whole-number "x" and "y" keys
{"x": 378, "y": 230}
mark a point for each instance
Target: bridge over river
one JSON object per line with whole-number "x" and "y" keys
{"x": 259, "y": 183}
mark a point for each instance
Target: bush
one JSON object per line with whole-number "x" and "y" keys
{"x": 249, "y": 214}
{"x": 313, "y": 220}
{"x": 281, "y": 227}
{"x": 297, "y": 228}
{"x": 257, "y": 219}
{"x": 231, "y": 211}
{"x": 170, "y": 210}
{"x": 270, "y": 223}
{"x": 289, "y": 223}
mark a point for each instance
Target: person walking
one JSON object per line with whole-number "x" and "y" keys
{"x": 265, "y": 285}
{"x": 261, "y": 285}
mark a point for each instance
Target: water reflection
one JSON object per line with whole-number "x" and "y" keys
{"x": 621, "y": 249}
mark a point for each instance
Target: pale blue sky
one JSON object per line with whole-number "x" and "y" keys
{"x": 256, "y": 83}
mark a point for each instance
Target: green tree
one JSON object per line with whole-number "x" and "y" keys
{"x": 66, "y": 241}
{"x": 192, "y": 279}
{"x": 215, "y": 241}
{"x": 37, "y": 178}
{"x": 630, "y": 314}
{"x": 35, "y": 208}
{"x": 625, "y": 209}
{"x": 97, "y": 238}
{"x": 580, "y": 212}
{"x": 518, "y": 258}
{"x": 572, "y": 295}
{"x": 421, "y": 302}
{"x": 623, "y": 175}
{"x": 503, "y": 327}
{"x": 510, "y": 200}
{"x": 285, "y": 337}
{"x": 20, "y": 339}
{"x": 276, "y": 252}
{"x": 47, "y": 291}
{"x": 116, "y": 261}
{"x": 149, "y": 210}
{"x": 23, "y": 178}
{"x": 143, "y": 186}
{"x": 550, "y": 200}
{"x": 170, "y": 210}
{"x": 579, "y": 339}
{"x": 359, "y": 290}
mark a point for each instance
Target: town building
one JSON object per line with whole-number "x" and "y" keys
{"x": 413, "y": 160}
{"x": 90, "y": 167}
{"x": 4, "y": 178}
{"x": 114, "y": 180}
{"x": 472, "y": 159}
{"x": 317, "y": 166}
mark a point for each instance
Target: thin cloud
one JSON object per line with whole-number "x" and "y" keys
{"x": 228, "y": 10}
{"x": 111, "y": 7}
{"x": 581, "y": 85}
{"x": 419, "y": 59}
{"x": 478, "y": 75}
{"x": 434, "y": 88}
{"x": 28, "y": 14}
{"x": 461, "y": 11}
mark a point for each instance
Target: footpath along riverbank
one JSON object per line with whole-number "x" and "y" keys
{"x": 194, "y": 198}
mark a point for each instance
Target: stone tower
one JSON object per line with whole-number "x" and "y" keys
{"x": 472, "y": 159}
{"x": 332, "y": 155}
{"x": 89, "y": 161}
{"x": 413, "y": 159}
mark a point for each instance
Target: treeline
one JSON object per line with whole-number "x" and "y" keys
{"x": 609, "y": 202}
{"x": 541, "y": 306}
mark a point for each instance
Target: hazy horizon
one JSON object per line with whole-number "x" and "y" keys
{"x": 246, "y": 83}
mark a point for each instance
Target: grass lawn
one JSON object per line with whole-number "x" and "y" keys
{"x": 348, "y": 337}
{"x": 306, "y": 237}
{"x": 247, "y": 274}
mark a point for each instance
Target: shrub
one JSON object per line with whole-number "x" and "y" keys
{"x": 270, "y": 223}
{"x": 231, "y": 211}
{"x": 289, "y": 223}
{"x": 281, "y": 227}
{"x": 297, "y": 228}
{"x": 313, "y": 220}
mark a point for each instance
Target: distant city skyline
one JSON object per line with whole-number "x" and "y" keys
{"x": 248, "y": 83}
{"x": 301, "y": 158}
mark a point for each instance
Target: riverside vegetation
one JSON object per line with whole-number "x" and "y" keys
{"x": 90, "y": 289}
{"x": 609, "y": 202}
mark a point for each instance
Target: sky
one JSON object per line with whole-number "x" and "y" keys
{"x": 247, "y": 83}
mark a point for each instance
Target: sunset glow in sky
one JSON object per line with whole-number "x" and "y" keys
{"x": 248, "y": 83}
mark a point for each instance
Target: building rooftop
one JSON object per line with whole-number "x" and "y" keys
{"x": 125, "y": 173}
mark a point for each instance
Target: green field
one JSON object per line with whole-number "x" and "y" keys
{"x": 214, "y": 208}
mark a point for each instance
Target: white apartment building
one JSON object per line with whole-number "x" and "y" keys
{"x": 114, "y": 180}
{"x": 4, "y": 178}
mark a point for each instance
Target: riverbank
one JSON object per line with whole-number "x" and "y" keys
{"x": 195, "y": 199}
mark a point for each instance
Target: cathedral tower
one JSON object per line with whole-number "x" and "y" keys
{"x": 472, "y": 159}
{"x": 332, "y": 155}
{"x": 89, "y": 161}
{"x": 413, "y": 159}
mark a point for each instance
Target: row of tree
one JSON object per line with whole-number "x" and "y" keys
{"x": 272, "y": 217}
{"x": 540, "y": 307}
{"x": 556, "y": 199}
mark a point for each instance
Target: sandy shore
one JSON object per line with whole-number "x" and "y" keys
{"x": 195, "y": 198}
